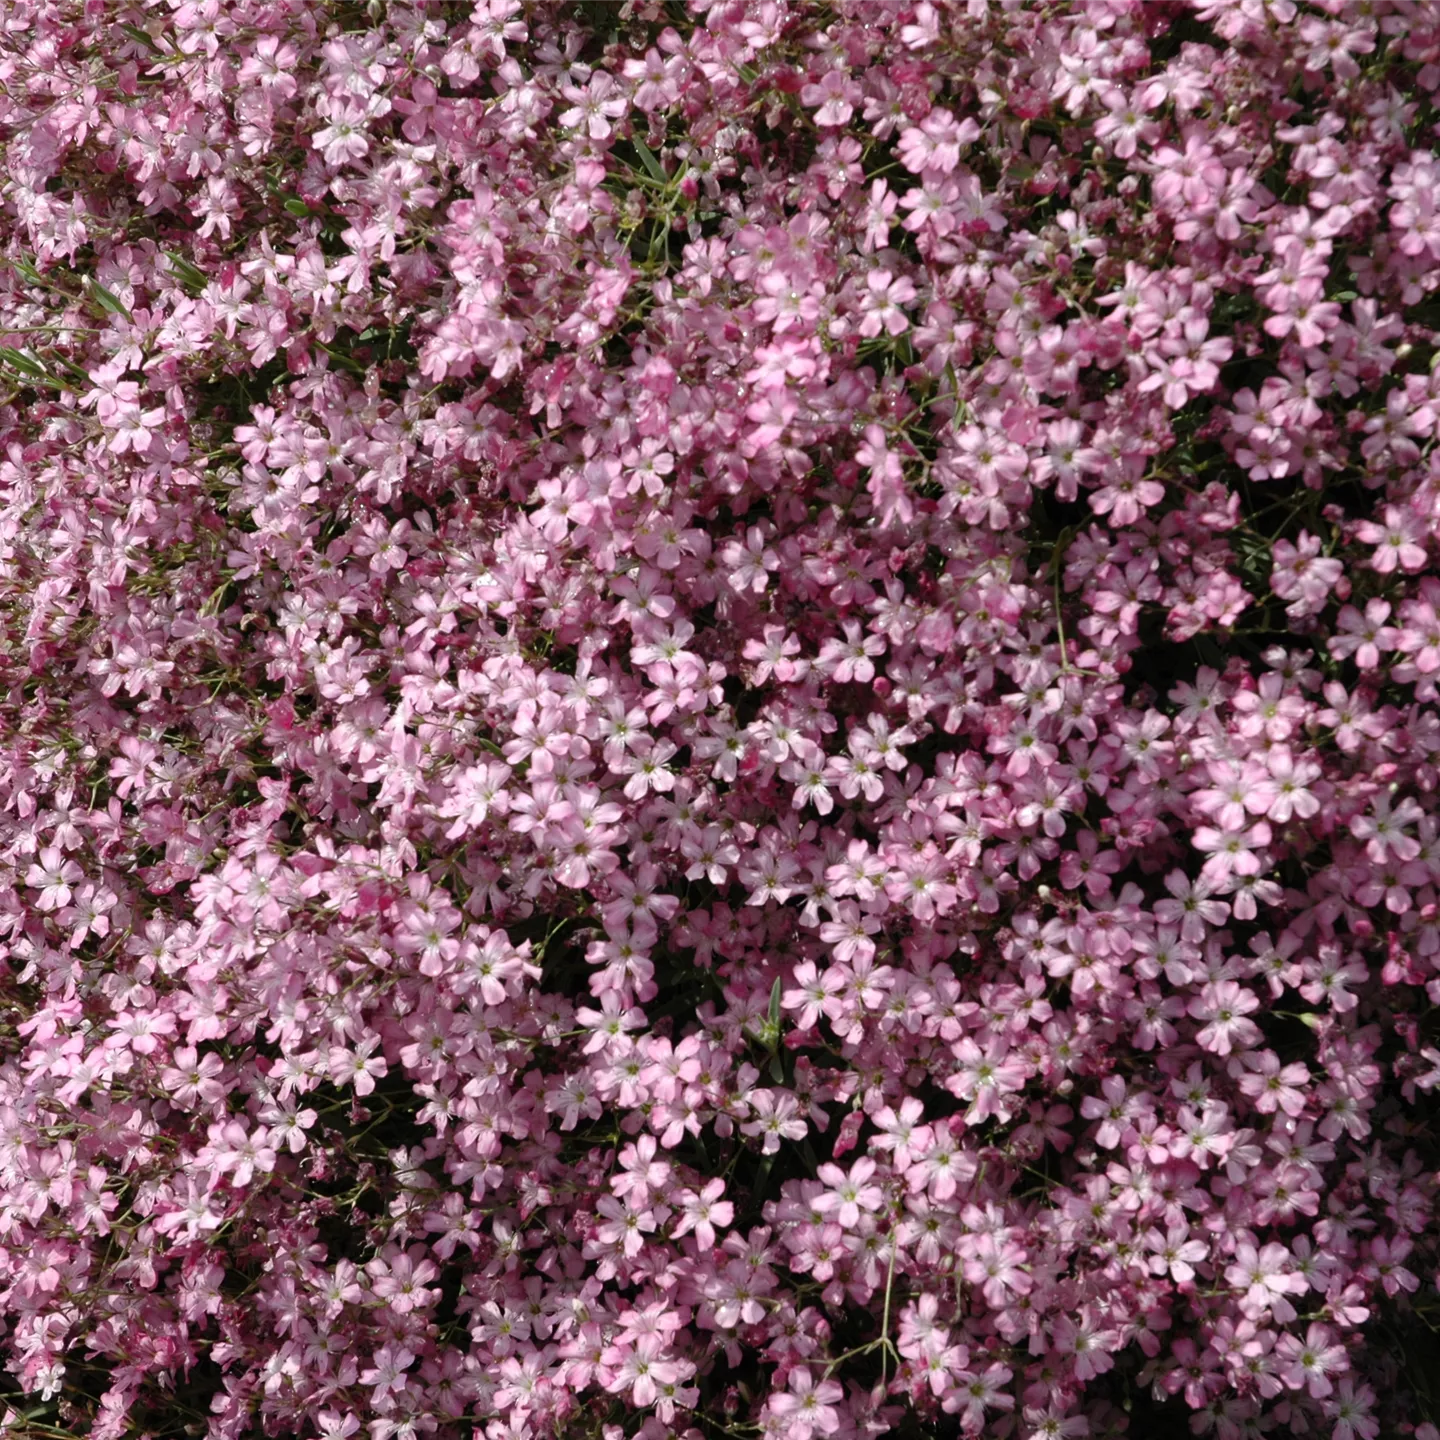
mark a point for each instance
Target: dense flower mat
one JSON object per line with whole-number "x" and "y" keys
{"x": 719, "y": 720}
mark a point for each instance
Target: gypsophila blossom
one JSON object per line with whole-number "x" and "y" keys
{"x": 719, "y": 719}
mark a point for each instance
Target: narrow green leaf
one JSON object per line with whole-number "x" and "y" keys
{"x": 106, "y": 299}
{"x": 189, "y": 276}
{"x": 775, "y": 1005}
{"x": 762, "y": 1176}
{"x": 136, "y": 33}
{"x": 298, "y": 208}
{"x": 18, "y": 360}
{"x": 343, "y": 360}
{"x": 647, "y": 156}
{"x": 31, "y": 381}
{"x": 25, "y": 268}
{"x": 212, "y": 606}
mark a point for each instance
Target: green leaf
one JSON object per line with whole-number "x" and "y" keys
{"x": 647, "y": 156}
{"x": 105, "y": 299}
{"x": 25, "y": 364}
{"x": 136, "y": 33}
{"x": 25, "y": 268}
{"x": 762, "y": 1176}
{"x": 344, "y": 361}
{"x": 775, "y": 1006}
{"x": 25, "y": 370}
{"x": 192, "y": 278}
{"x": 32, "y": 380}
{"x": 212, "y": 605}
{"x": 298, "y": 208}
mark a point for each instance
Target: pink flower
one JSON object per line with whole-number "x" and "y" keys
{"x": 360, "y": 1067}
{"x": 52, "y": 875}
{"x": 387, "y": 1373}
{"x": 835, "y": 95}
{"x": 1399, "y": 541}
{"x": 849, "y": 1194}
{"x": 1309, "y": 1363}
{"x": 1224, "y": 1007}
{"x": 702, "y": 1212}
{"x": 807, "y": 1407}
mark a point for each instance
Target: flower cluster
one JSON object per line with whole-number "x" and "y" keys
{"x": 719, "y": 719}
